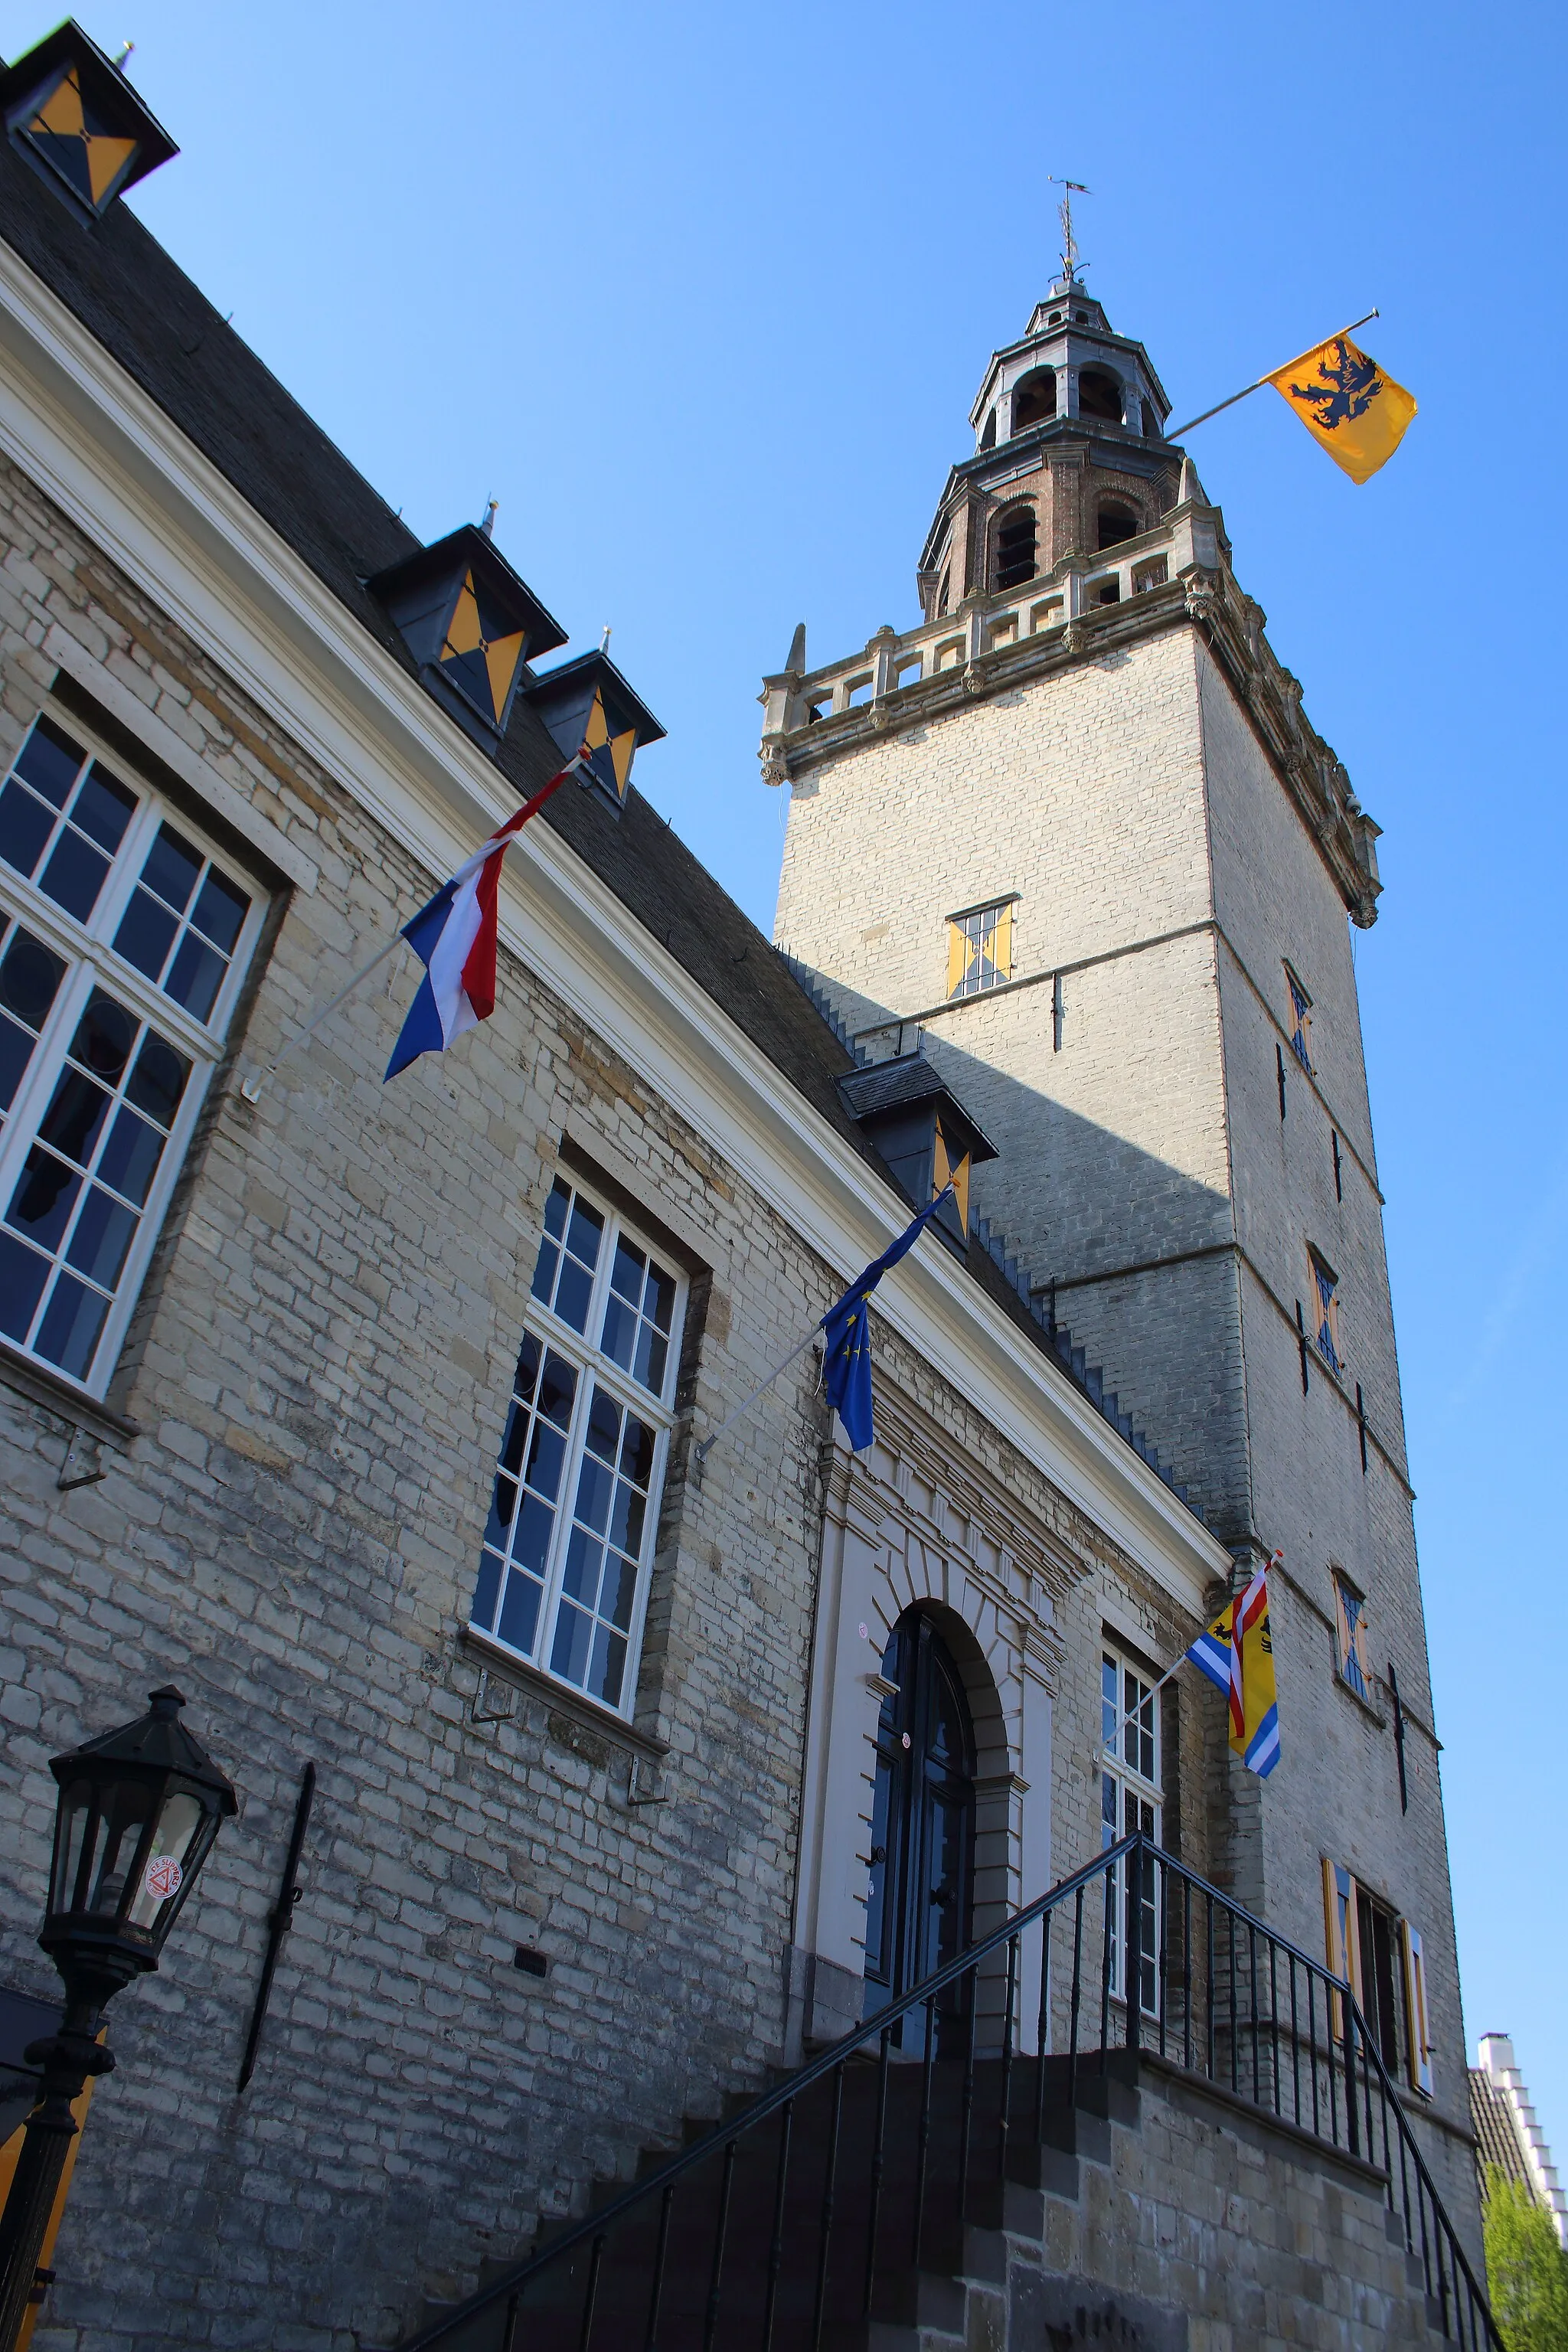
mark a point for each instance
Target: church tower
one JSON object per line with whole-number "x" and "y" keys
{"x": 1075, "y": 828}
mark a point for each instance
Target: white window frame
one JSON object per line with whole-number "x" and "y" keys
{"x": 1121, "y": 1757}
{"x": 90, "y": 960}
{"x": 593, "y": 1365}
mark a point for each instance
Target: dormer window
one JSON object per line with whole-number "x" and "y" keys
{"x": 1116, "y": 524}
{"x": 1100, "y": 394}
{"x": 470, "y": 625}
{"x": 1016, "y": 546}
{"x": 1034, "y": 398}
{"x": 79, "y": 122}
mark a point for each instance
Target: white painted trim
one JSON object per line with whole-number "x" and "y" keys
{"x": 72, "y": 419}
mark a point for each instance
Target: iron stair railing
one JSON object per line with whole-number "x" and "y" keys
{"x": 791, "y": 2225}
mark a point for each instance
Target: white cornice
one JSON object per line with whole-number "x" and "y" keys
{"x": 72, "y": 419}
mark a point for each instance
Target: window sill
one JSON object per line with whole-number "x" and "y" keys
{"x": 37, "y": 1383}
{"x": 1355, "y": 1698}
{"x": 503, "y": 1665}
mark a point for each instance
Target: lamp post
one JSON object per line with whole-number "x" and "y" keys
{"x": 135, "y": 1819}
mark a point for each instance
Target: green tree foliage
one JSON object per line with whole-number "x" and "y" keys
{"x": 1527, "y": 2270}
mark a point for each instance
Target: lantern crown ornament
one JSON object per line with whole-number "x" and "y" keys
{"x": 137, "y": 1814}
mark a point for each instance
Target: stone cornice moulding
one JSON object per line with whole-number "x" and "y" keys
{"x": 73, "y": 420}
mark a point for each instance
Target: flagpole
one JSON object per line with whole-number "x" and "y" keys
{"x": 251, "y": 1087}
{"x": 1274, "y": 1559}
{"x": 701, "y": 1453}
{"x": 1248, "y": 391}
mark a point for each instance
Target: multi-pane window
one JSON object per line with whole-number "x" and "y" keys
{"x": 1325, "y": 1285}
{"x": 122, "y": 943}
{"x": 979, "y": 949}
{"x": 1350, "y": 1616}
{"x": 1131, "y": 1802}
{"x": 564, "y": 1566}
{"x": 1300, "y": 1020}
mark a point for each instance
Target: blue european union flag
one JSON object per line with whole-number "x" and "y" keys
{"x": 846, "y": 1352}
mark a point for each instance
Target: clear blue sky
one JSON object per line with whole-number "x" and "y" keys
{"x": 703, "y": 294}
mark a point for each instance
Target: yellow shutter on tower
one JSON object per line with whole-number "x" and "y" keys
{"x": 1001, "y": 952}
{"x": 1418, "y": 2020}
{"x": 957, "y": 958}
{"x": 1340, "y": 1938}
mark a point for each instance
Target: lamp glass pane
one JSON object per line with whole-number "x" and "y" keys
{"x": 126, "y": 1809}
{"x": 75, "y": 1816}
{"x": 163, "y": 1873}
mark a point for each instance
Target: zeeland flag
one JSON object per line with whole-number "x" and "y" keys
{"x": 1348, "y": 403}
{"x": 1236, "y": 1652}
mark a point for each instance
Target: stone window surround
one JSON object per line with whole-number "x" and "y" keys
{"x": 206, "y": 1043}
{"x": 882, "y": 1553}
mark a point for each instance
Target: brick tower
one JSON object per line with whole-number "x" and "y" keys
{"x": 1075, "y": 825}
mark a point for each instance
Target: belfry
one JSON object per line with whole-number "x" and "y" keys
{"x": 1072, "y": 838}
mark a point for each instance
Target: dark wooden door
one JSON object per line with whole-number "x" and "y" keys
{"x": 921, "y": 1898}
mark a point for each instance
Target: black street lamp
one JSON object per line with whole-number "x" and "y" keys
{"x": 135, "y": 1819}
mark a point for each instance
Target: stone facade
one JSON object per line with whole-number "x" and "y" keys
{"x": 539, "y": 1932}
{"x": 274, "y": 1494}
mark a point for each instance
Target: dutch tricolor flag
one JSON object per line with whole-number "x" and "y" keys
{"x": 454, "y": 936}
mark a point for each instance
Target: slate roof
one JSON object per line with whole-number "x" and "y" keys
{"x": 135, "y": 300}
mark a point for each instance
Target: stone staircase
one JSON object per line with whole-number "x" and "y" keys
{"x": 1042, "y": 2239}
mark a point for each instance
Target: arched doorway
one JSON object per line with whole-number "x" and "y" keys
{"x": 920, "y": 1901}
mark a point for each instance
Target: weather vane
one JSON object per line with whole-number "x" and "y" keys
{"x": 1070, "y": 262}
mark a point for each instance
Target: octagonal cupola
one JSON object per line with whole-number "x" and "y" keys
{"x": 1070, "y": 457}
{"x": 1068, "y": 364}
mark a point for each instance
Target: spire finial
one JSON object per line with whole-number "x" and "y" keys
{"x": 1069, "y": 188}
{"x": 123, "y": 59}
{"x": 605, "y": 640}
{"x": 489, "y": 524}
